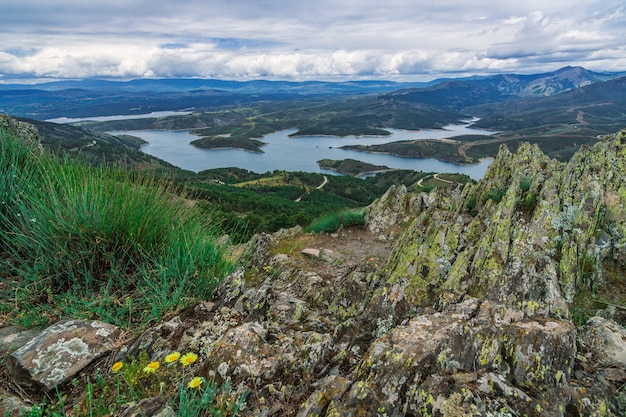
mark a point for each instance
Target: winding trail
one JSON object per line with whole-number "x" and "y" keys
{"x": 323, "y": 183}
{"x": 435, "y": 176}
{"x": 463, "y": 148}
{"x": 319, "y": 187}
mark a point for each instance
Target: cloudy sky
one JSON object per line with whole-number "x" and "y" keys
{"x": 306, "y": 39}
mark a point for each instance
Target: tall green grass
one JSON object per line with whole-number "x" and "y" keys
{"x": 334, "y": 221}
{"x": 97, "y": 242}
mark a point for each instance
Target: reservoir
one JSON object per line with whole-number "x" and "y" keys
{"x": 282, "y": 152}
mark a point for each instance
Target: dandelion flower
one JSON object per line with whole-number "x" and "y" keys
{"x": 172, "y": 357}
{"x": 188, "y": 358}
{"x": 117, "y": 366}
{"x": 195, "y": 382}
{"x": 151, "y": 367}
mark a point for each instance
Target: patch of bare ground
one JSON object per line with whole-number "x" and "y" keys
{"x": 345, "y": 249}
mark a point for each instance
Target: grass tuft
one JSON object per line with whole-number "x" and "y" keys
{"x": 334, "y": 221}
{"x": 97, "y": 242}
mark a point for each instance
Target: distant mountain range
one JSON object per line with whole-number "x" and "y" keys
{"x": 560, "y": 111}
{"x": 93, "y": 97}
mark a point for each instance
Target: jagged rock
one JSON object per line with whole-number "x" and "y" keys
{"x": 400, "y": 368}
{"x": 12, "y": 406}
{"x": 328, "y": 391}
{"x": 12, "y": 338}
{"x": 148, "y": 407}
{"x": 232, "y": 286}
{"x": 256, "y": 251}
{"x": 394, "y": 207}
{"x": 531, "y": 232}
{"x": 60, "y": 352}
{"x": 245, "y": 352}
{"x": 606, "y": 341}
{"x": 154, "y": 341}
{"x": 26, "y": 131}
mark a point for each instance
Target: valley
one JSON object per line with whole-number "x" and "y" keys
{"x": 203, "y": 134}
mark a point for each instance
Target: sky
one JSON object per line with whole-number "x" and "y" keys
{"x": 404, "y": 40}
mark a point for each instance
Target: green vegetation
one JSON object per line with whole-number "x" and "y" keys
{"x": 248, "y": 203}
{"x": 429, "y": 182}
{"x": 350, "y": 166}
{"x": 96, "y": 148}
{"x": 334, "y": 221}
{"x": 497, "y": 194}
{"x": 97, "y": 243}
{"x": 278, "y": 200}
{"x": 443, "y": 151}
{"x": 217, "y": 142}
{"x": 525, "y": 183}
{"x": 471, "y": 205}
{"x": 556, "y": 141}
{"x": 107, "y": 393}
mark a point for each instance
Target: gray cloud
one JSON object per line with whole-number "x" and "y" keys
{"x": 306, "y": 39}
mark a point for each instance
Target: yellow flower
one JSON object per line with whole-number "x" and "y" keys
{"x": 188, "y": 358}
{"x": 195, "y": 382}
{"x": 151, "y": 367}
{"x": 172, "y": 357}
{"x": 117, "y": 366}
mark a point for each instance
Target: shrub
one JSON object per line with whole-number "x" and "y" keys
{"x": 98, "y": 243}
{"x": 497, "y": 193}
{"x": 525, "y": 183}
{"x": 470, "y": 205}
{"x": 332, "y": 222}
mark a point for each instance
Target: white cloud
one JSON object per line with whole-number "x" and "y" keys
{"x": 307, "y": 39}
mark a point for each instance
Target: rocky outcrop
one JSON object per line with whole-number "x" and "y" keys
{"x": 469, "y": 314}
{"x": 396, "y": 207}
{"x": 23, "y": 130}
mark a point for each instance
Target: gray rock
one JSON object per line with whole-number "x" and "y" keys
{"x": 12, "y": 406}
{"x": 60, "y": 352}
{"x": 154, "y": 341}
{"x": 26, "y": 131}
{"x": 148, "y": 407}
{"x": 312, "y": 252}
{"x": 606, "y": 341}
{"x": 12, "y": 338}
{"x": 328, "y": 391}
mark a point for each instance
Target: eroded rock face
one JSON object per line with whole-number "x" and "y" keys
{"x": 61, "y": 351}
{"x": 395, "y": 207}
{"x": 530, "y": 233}
{"x": 416, "y": 365}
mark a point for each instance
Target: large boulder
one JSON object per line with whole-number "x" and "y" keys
{"x": 61, "y": 351}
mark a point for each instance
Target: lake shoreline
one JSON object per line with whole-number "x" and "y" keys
{"x": 286, "y": 153}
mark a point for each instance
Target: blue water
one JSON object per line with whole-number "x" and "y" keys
{"x": 118, "y": 117}
{"x": 300, "y": 153}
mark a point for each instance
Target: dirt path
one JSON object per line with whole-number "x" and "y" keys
{"x": 319, "y": 187}
{"x": 463, "y": 148}
{"x": 435, "y": 176}
{"x": 323, "y": 183}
